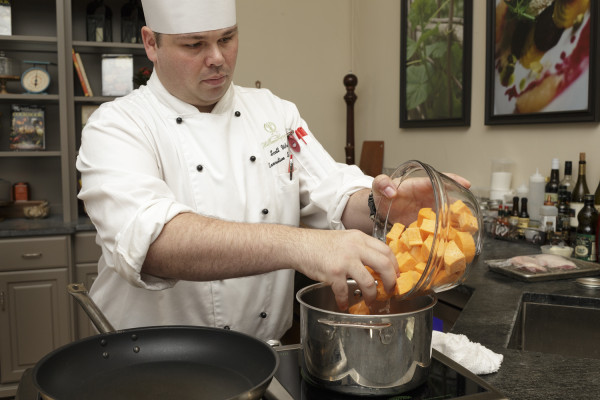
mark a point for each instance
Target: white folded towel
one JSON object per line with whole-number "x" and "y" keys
{"x": 473, "y": 356}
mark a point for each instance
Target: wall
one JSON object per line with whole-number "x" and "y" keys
{"x": 302, "y": 50}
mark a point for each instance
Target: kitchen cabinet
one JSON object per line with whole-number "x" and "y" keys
{"x": 47, "y": 31}
{"x": 36, "y": 313}
{"x": 34, "y": 304}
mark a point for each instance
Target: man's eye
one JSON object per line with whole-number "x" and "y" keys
{"x": 193, "y": 45}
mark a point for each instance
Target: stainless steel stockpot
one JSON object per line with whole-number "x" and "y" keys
{"x": 367, "y": 355}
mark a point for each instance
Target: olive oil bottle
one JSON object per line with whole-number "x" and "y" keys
{"x": 585, "y": 242}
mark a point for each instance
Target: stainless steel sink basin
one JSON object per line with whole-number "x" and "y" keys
{"x": 564, "y": 325}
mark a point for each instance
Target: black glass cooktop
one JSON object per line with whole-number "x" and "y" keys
{"x": 447, "y": 380}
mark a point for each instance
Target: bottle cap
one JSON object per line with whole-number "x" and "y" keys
{"x": 537, "y": 177}
{"x": 555, "y": 163}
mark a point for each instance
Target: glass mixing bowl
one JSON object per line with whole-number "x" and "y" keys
{"x": 436, "y": 265}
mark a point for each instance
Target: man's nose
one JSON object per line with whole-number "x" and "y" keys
{"x": 215, "y": 56}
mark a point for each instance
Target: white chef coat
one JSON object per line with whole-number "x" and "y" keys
{"x": 148, "y": 156}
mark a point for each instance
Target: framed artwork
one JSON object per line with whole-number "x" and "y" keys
{"x": 542, "y": 61}
{"x": 435, "y": 63}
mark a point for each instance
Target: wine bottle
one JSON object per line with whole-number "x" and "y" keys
{"x": 597, "y": 198}
{"x": 578, "y": 194}
{"x": 551, "y": 189}
{"x": 585, "y": 245}
{"x": 567, "y": 179}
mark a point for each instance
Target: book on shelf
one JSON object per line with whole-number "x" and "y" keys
{"x": 5, "y": 18}
{"x": 79, "y": 68}
{"x": 117, "y": 74}
{"x": 28, "y": 128}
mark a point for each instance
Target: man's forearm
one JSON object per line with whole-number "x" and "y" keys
{"x": 198, "y": 248}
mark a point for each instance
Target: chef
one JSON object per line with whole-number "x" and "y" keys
{"x": 197, "y": 188}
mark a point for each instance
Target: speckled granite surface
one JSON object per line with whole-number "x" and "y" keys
{"x": 54, "y": 225}
{"x": 488, "y": 318}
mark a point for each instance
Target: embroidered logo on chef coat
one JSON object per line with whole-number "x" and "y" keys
{"x": 276, "y": 147}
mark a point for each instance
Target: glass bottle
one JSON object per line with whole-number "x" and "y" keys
{"x": 597, "y": 198}
{"x": 132, "y": 20}
{"x": 567, "y": 179}
{"x": 585, "y": 244}
{"x": 513, "y": 218}
{"x": 523, "y": 217}
{"x": 563, "y": 217}
{"x": 578, "y": 194}
{"x": 551, "y": 189}
{"x": 98, "y": 22}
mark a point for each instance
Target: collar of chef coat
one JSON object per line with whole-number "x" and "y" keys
{"x": 180, "y": 107}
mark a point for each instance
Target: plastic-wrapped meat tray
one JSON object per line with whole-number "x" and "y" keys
{"x": 518, "y": 271}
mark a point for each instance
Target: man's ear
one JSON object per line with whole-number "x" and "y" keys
{"x": 150, "y": 44}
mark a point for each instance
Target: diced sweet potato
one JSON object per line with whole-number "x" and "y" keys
{"x": 406, "y": 262}
{"x": 420, "y": 267}
{"x": 426, "y": 247}
{"x": 414, "y": 237}
{"x": 425, "y": 213}
{"x": 466, "y": 243}
{"x": 394, "y": 233}
{"x": 427, "y": 228}
{"x": 406, "y": 281}
{"x": 382, "y": 295}
{"x": 415, "y": 251}
{"x": 454, "y": 259}
{"x": 359, "y": 308}
{"x": 467, "y": 223}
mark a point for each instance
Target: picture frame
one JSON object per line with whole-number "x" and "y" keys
{"x": 541, "y": 68}
{"x": 431, "y": 94}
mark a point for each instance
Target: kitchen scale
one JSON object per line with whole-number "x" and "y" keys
{"x": 447, "y": 380}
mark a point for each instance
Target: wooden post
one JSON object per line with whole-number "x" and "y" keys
{"x": 350, "y": 81}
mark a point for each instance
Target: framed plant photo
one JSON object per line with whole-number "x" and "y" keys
{"x": 435, "y": 63}
{"x": 542, "y": 61}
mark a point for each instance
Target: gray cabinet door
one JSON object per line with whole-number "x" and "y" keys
{"x": 34, "y": 318}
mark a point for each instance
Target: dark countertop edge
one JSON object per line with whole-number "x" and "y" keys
{"x": 488, "y": 318}
{"x": 54, "y": 225}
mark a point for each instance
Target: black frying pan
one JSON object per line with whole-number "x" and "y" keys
{"x": 165, "y": 362}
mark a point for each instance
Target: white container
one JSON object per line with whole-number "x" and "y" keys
{"x": 502, "y": 171}
{"x": 535, "y": 199}
{"x": 548, "y": 214}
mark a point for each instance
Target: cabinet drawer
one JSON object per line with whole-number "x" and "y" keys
{"x": 38, "y": 252}
{"x": 86, "y": 249}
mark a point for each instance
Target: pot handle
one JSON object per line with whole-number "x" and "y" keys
{"x": 359, "y": 325}
{"x": 80, "y": 293}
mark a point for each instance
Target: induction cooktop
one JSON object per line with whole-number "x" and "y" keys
{"x": 447, "y": 380}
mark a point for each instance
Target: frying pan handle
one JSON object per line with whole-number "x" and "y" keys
{"x": 80, "y": 293}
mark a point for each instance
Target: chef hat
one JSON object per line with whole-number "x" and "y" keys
{"x": 188, "y": 16}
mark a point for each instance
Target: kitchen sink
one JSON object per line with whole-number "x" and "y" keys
{"x": 556, "y": 324}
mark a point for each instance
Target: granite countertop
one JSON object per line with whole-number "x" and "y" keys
{"x": 488, "y": 318}
{"x": 53, "y": 225}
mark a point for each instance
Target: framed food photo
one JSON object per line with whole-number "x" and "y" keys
{"x": 435, "y": 63}
{"x": 542, "y": 61}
